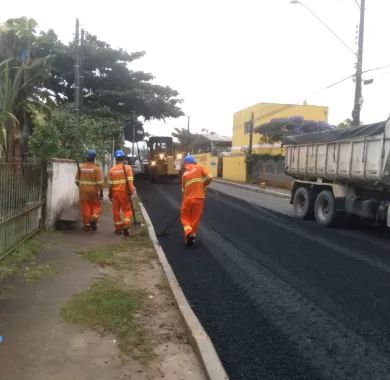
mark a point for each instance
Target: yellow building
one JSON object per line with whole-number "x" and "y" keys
{"x": 263, "y": 113}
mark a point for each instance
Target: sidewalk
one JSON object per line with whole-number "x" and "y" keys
{"x": 123, "y": 324}
{"x": 273, "y": 199}
{"x": 277, "y": 192}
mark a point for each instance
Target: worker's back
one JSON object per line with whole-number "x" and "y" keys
{"x": 194, "y": 179}
{"x": 90, "y": 180}
{"x": 117, "y": 179}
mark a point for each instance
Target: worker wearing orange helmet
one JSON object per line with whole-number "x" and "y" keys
{"x": 194, "y": 181}
{"x": 121, "y": 188}
{"x": 89, "y": 179}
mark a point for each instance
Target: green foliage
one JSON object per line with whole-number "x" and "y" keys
{"x": 21, "y": 80}
{"x": 108, "y": 82}
{"x": 186, "y": 139}
{"x": 45, "y": 142}
{"x": 23, "y": 261}
{"x": 40, "y": 72}
{"x": 344, "y": 124}
{"x": 63, "y": 134}
{"x": 108, "y": 308}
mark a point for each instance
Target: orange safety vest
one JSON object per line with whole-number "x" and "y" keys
{"x": 194, "y": 180}
{"x": 89, "y": 179}
{"x": 117, "y": 180}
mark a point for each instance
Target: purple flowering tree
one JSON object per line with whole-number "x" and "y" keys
{"x": 277, "y": 129}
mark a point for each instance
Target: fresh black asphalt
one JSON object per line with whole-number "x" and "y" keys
{"x": 281, "y": 298}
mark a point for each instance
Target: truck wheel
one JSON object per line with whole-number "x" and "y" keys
{"x": 325, "y": 208}
{"x": 303, "y": 203}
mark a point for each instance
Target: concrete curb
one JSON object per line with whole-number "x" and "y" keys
{"x": 252, "y": 188}
{"x": 199, "y": 338}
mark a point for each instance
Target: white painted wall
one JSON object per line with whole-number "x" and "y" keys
{"x": 62, "y": 193}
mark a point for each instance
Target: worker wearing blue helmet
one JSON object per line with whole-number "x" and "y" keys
{"x": 194, "y": 181}
{"x": 121, "y": 188}
{"x": 89, "y": 179}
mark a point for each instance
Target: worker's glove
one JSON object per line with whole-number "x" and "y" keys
{"x": 101, "y": 194}
{"x": 110, "y": 197}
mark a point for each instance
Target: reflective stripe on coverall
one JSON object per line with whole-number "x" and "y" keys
{"x": 119, "y": 191}
{"x": 89, "y": 179}
{"x": 194, "y": 181}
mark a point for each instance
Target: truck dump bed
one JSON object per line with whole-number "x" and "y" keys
{"x": 355, "y": 155}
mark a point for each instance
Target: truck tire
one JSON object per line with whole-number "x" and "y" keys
{"x": 303, "y": 203}
{"x": 325, "y": 209}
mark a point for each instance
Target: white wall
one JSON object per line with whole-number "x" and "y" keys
{"x": 62, "y": 193}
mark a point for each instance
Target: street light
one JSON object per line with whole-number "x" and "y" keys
{"x": 359, "y": 55}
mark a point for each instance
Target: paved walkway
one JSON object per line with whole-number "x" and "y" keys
{"x": 283, "y": 193}
{"x": 39, "y": 345}
{"x": 278, "y": 202}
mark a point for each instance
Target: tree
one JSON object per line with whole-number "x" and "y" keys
{"x": 21, "y": 75}
{"x": 108, "y": 82}
{"x": 186, "y": 139}
{"x": 37, "y": 74}
{"x": 275, "y": 130}
{"x": 62, "y": 133}
{"x": 344, "y": 124}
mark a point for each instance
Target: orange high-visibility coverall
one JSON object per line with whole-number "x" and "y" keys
{"x": 194, "y": 180}
{"x": 89, "y": 179}
{"x": 120, "y": 189}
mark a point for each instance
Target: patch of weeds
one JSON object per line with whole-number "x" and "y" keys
{"x": 36, "y": 272}
{"x": 16, "y": 261}
{"x": 108, "y": 308}
{"x": 102, "y": 255}
{"x": 122, "y": 255}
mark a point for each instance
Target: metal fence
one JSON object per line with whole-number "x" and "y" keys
{"x": 269, "y": 170}
{"x": 20, "y": 202}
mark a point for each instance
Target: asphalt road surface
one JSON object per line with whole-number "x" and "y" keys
{"x": 281, "y": 298}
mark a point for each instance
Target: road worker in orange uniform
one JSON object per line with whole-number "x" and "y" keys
{"x": 121, "y": 188}
{"x": 194, "y": 181}
{"x": 89, "y": 179}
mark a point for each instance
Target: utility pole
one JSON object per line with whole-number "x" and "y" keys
{"x": 359, "y": 68}
{"x": 359, "y": 64}
{"x": 251, "y": 133}
{"x": 132, "y": 148}
{"x": 77, "y": 70}
{"x": 81, "y": 70}
{"x": 188, "y": 123}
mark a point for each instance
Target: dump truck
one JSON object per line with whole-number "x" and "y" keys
{"x": 163, "y": 160}
{"x": 341, "y": 172}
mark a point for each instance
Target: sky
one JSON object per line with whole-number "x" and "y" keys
{"x": 225, "y": 55}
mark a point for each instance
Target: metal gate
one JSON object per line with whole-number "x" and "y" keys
{"x": 20, "y": 203}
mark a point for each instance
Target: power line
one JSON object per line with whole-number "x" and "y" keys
{"x": 324, "y": 24}
{"x": 288, "y": 106}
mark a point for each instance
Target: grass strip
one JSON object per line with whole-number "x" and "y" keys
{"x": 108, "y": 308}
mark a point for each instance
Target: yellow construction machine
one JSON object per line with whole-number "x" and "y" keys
{"x": 163, "y": 160}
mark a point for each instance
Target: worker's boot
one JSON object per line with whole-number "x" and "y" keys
{"x": 190, "y": 239}
{"x": 126, "y": 232}
{"x": 86, "y": 227}
{"x": 93, "y": 224}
